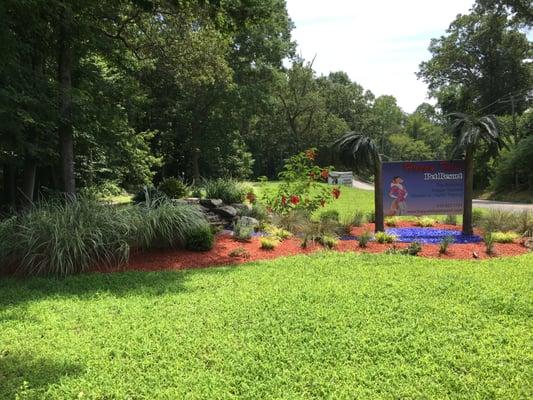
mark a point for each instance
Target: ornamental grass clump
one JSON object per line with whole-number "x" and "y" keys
{"x": 384, "y": 237}
{"x": 268, "y": 243}
{"x": 328, "y": 241}
{"x": 445, "y": 243}
{"x": 425, "y": 222}
{"x": 228, "y": 190}
{"x": 364, "y": 239}
{"x": 489, "y": 243}
{"x": 392, "y": 221}
{"x": 358, "y": 218}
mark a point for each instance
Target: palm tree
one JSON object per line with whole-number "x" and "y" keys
{"x": 362, "y": 153}
{"x": 469, "y": 132}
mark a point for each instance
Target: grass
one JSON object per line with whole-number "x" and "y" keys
{"x": 327, "y": 325}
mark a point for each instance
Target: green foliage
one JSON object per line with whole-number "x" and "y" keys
{"x": 299, "y": 189}
{"x": 504, "y": 237}
{"x": 200, "y": 238}
{"x": 498, "y": 220}
{"x": 228, "y": 190}
{"x": 148, "y": 195}
{"x": 425, "y": 222}
{"x": 477, "y": 215}
{"x": 489, "y": 241}
{"x": 513, "y": 169}
{"x": 279, "y": 233}
{"x": 242, "y": 232}
{"x": 174, "y": 188}
{"x": 450, "y": 220}
{"x": 329, "y": 215}
{"x": 257, "y": 211}
{"x": 384, "y": 237}
{"x": 414, "y": 248}
{"x": 328, "y": 241}
{"x": 358, "y": 218}
{"x": 240, "y": 252}
{"x": 444, "y": 244}
{"x": 392, "y": 221}
{"x": 268, "y": 243}
{"x": 371, "y": 217}
{"x": 364, "y": 238}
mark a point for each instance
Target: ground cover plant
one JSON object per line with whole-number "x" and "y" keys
{"x": 321, "y": 326}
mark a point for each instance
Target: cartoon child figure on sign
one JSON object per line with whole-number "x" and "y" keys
{"x": 398, "y": 193}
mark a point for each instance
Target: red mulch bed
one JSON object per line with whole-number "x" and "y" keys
{"x": 220, "y": 254}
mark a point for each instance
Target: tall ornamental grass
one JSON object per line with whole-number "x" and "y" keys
{"x": 62, "y": 238}
{"x": 228, "y": 190}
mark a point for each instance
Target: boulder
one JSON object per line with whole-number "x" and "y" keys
{"x": 226, "y": 212}
{"x": 241, "y": 207}
{"x": 211, "y": 203}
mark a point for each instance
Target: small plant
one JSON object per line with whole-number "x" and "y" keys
{"x": 504, "y": 237}
{"x": 450, "y": 220}
{"x": 268, "y": 243}
{"x": 346, "y": 225}
{"x": 524, "y": 223}
{"x": 174, "y": 188}
{"x": 200, "y": 239}
{"x": 413, "y": 249}
{"x": 392, "y": 221}
{"x": 489, "y": 243}
{"x": 358, "y": 218}
{"x": 425, "y": 222}
{"x": 242, "y": 232}
{"x": 228, "y": 190}
{"x": 477, "y": 215}
{"x": 240, "y": 252}
{"x": 329, "y": 215}
{"x": 364, "y": 239}
{"x": 328, "y": 241}
{"x": 444, "y": 244}
{"x": 384, "y": 237}
{"x": 371, "y": 217}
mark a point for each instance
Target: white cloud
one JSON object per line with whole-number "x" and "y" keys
{"x": 378, "y": 43}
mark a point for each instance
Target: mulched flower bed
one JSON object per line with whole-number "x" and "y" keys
{"x": 251, "y": 251}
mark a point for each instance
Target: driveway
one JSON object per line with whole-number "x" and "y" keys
{"x": 499, "y": 205}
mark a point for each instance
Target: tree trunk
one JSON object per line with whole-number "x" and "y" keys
{"x": 66, "y": 136}
{"x": 378, "y": 198}
{"x": 468, "y": 192}
{"x": 28, "y": 181}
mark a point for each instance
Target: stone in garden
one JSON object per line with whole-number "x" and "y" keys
{"x": 211, "y": 203}
{"x": 241, "y": 207}
{"x": 226, "y": 211}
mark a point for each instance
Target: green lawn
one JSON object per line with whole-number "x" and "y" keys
{"x": 328, "y": 325}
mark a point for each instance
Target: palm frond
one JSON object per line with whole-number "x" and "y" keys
{"x": 358, "y": 150}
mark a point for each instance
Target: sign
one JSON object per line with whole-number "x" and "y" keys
{"x": 423, "y": 187}
{"x": 340, "y": 178}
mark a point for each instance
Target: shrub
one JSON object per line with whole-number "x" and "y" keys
{"x": 425, "y": 222}
{"x": 329, "y": 215}
{"x": 148, "y": 194}
{"x": 278, "y": 233}
{"x": 358, "y": 218}
{"x": 228, "y": 190}
{"x": 257, "y": 211}
{"x": 268, "y": 243}
{"x": 198, "y": 192}
{"x": 200, "y": 238}
{"x": 477, "y": 215}
{"x": 174, "y": 188}
{"x": 240, "y": 252}
{"x": 328, "y": 241}
{"x": 489, "y": 243}
{"x": 242, "y": 232}
{"x": 392, "y": 221}
{"x": 371, "y": 217}
{"x": 295, "y": 221}
{"x": 444, "y": 244}
{"x": 450, "y": 220}
{"x": 346, "y": 225}
{"x": 498, "y": 220}
{"x": 413, "y": 249}
{"x": 524, "y": 223}
{"x": 504, "y": 237}
{"x": 165, "y": 224}
{"x": 384, "y": 237}
{"x": 364, "y": 238}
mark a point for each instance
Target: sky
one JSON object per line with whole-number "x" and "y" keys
{"x": 379, "y": 43}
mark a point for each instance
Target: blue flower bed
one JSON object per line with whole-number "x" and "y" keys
{"x": 431, "y": 235}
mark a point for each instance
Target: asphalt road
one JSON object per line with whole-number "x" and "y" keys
{"x": 502, "y": 205}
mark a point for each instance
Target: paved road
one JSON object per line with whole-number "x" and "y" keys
{"x": 502, "y": 205}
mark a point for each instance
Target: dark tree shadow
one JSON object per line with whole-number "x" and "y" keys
{"x": 25, "y": 372}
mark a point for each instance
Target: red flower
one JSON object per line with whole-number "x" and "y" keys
{"x": 324, "y": 174}
{"x": 295, "y": 199}
{"x": 336, "y": 192}
{"x": 283, "y": 200}
{"x": 251, "y": 197}
{"x": 310, "y": 154}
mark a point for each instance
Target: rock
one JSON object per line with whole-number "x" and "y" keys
{"x": 528, "y": 243}
{"x": 226, "y": 211}
{"x": 249, "y": 221}
{"x": 241, "y": 207}
{"x": 211, "y": 203}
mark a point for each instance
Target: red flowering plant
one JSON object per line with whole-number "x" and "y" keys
{"x": 300, "y": 188}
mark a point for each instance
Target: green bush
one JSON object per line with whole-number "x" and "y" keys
{"x": 524, "y": 223}
{"x": 392, "y": 221}
{"x": 504, "y": 237}
{"x": 384, "y": 237}
{"x": 278, "y": 233}
{"x": 200, "y": 238}
{"x": 328, "y": 241}
{"x": 444, "y": 244}
{"x": 364, "y": 239}
{"x": 450, "y": 220}
{"x": 174, "y": 188}
{"x": 268, "y": 243}
{"x": 228, "y": 190}
{"x": 358, "y": 218}
{"x": 489, "y": 243}
{"x": 413, "y": 249}
{"x": 477, "y": 215}
{"x": 499, "y": 220}
{"x": 257, "y": 211}
{"x": 371, "y": 217}
{"x": 425, "y": 222}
